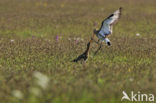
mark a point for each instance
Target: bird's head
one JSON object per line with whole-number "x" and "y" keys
{"x": 120, "y": 9}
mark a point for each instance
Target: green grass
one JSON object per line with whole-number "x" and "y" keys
{"x": 28, "y": 44}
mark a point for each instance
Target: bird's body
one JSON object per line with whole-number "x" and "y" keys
{"x": 107, "y": 25}
{"x": 105, "y": 30}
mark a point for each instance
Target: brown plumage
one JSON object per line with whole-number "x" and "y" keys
{"x": 84, "y": 55}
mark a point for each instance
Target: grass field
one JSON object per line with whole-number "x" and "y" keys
{"x": 40, "y": 38}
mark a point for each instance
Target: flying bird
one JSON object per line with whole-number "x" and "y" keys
{"x": 102, "y": 34}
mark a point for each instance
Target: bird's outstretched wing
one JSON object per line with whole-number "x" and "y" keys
{"x": 113, "y": 18}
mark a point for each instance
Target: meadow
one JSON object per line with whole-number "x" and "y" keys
{"x": 40, "y": 38}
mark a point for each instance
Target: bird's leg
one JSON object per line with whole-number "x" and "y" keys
{"x": 98, "y": 49}
{"x": 88, "y": 45}
{"x": 97, "y": 42}
{"x": 95, "y": 31}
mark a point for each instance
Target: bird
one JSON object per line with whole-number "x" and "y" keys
{"x": 102, "y": 34}
{"x": 107, "y": 26}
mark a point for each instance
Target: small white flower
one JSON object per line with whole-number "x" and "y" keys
{"x": 74, "y": 38}
{"x": 69, "y": 39}
{"x": 41, "y": 79}
{"x": 18, "y": 94}
{"x": 131, "y": 79}
{"x": 78, "y": 38}
{"x": 82, "y": 39}
{"x": 60, "y": 37}
{"x": 137, "y": 34}
{"x": 12, "y": 40}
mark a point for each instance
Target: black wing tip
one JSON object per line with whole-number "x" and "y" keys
{"x": 110, "y": 16}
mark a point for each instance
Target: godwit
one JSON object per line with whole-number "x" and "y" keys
{"x": 102, "y": 34}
